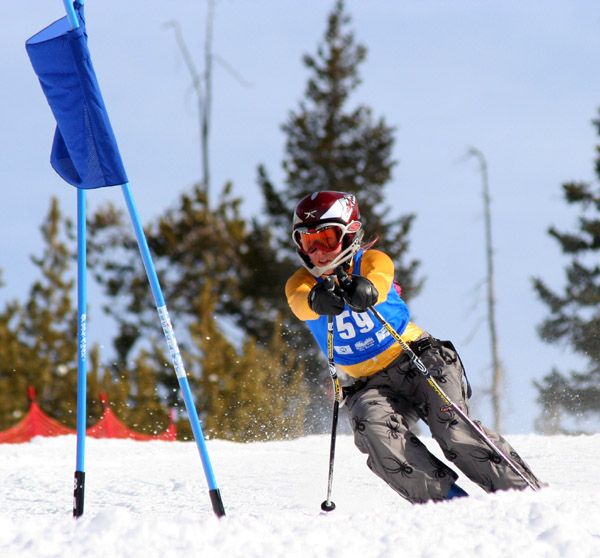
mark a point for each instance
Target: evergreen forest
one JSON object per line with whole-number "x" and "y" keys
{"x": 253, "y": 368}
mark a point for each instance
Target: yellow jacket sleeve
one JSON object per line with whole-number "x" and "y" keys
{"x": 378, "y": 268}
{"x": 297, "y": 288}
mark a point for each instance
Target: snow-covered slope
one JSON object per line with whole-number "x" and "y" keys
{"x": 150, "y": 499}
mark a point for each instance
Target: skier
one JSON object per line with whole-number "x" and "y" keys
{"x": 389, "y": 394}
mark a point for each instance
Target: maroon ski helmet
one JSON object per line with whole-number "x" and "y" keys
{"x": 326, "y": 219}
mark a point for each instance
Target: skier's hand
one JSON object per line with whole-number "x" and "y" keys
{"x": 325, "y": 299}
{"x": 360, "y": 293}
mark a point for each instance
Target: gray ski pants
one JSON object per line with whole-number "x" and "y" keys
{"x": 384, "y": 407}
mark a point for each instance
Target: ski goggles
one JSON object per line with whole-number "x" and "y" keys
{"x": 326, "y": 236}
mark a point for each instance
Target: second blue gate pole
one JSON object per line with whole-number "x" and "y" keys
{"x": 165, "y": 320}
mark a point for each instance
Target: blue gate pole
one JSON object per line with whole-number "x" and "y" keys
{"x": 161, "y": 307}
{"x": 79, "y": 481}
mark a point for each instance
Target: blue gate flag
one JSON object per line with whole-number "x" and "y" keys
{"x": 84, "y": 150}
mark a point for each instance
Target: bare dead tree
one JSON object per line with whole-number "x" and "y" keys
{"x": 208, "y": 59}
{"x": 496, "y": 388}
{"x": 202, "y": 85}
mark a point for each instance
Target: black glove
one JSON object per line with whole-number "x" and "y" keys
{"x": 360, "y": 293}
{"x": 326, "y": 298}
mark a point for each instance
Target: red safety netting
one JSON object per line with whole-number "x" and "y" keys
{"x": 34, "y": 423}
{"x": 38, "y": 423}
{"x": 109, "y": 426}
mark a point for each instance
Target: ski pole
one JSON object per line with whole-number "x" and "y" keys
{"x": 345, "y": 281}
{"x": 328, "y": 505}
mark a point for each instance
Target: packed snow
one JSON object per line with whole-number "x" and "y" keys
{"x": 147, "y": 499}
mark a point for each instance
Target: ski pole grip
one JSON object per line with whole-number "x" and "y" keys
{"x": 343, "y": 278}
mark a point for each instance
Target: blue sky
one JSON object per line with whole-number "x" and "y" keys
{"x": 516, "y": 80}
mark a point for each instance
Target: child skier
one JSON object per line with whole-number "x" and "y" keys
{"x": 389, "y": 394}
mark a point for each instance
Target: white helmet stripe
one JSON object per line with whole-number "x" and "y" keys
{"x": 340, "y": 209}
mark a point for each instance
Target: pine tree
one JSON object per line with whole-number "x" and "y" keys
{"x": 333, "y": 147}
{"x": 215, "y": 362}
{"x": 116, "y": 384}
{"x": 13, "y": 364}
{"x": 286, "y": 397}
{"x": 48, "y": 322}
{"x": 574, "y": 313}
{"x": 114, "y": 259}
{"x": 38, "y": 339}
{"x": 94, "y": 386}
{"x": 202, "y": 257}
{"x": 148, "y": 412}
{"x": 269, "y": 396}
{"x": 246, "y": 393}
{"x": 189, "y": 243}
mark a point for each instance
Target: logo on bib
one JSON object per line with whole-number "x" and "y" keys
{"x": 382, "y": 334}
{"x": 364, "y": 345}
